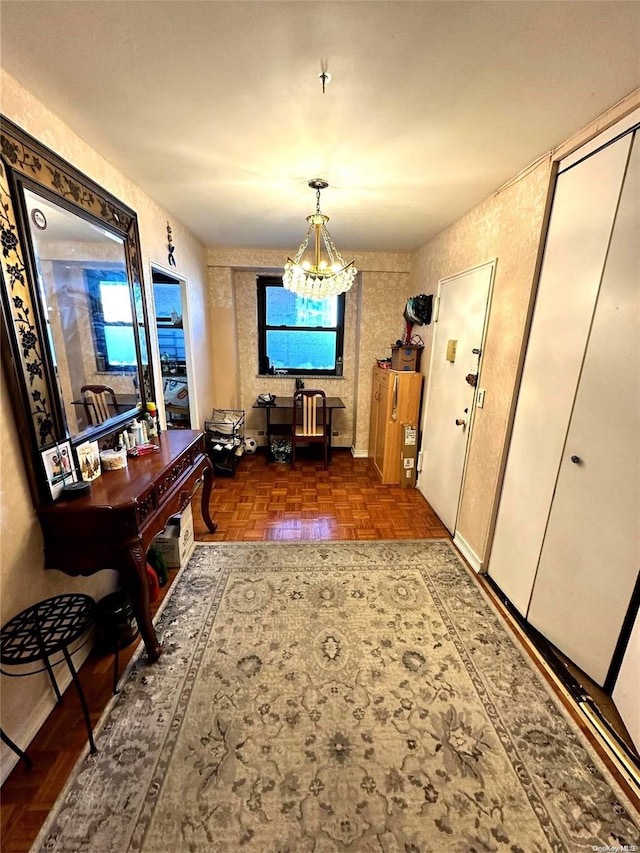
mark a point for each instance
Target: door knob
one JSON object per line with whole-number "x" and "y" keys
{"x": 576, "y": 460}
{"x": 460, "y": 422}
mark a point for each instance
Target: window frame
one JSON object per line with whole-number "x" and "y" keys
{"x": 94, "y": 278}
{"x": 264, "y": 282}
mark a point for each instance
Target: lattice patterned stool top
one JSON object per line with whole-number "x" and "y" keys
{"x": 45, "y": 628}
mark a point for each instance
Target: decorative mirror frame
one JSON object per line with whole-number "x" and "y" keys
{"x": 25, "y": 346}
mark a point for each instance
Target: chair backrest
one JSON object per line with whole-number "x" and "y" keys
{"x": 311, "y": 405}
{"x": 96, "y": 400}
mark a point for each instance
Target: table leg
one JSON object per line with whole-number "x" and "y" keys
{"x": 207, "y": 485}
{"x": 268, "y": 434}
{"x": 83, "y": 701}
{"x": 16, "y": 749}
{"x": 134, "y": 575}
{"x": 45, "y": 658}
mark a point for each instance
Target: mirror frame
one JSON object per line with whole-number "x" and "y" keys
{"x": 40, "y": 417}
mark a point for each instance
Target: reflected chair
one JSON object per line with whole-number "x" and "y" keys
{"x": 309, "y": 422}
{"x": 99, "y": 403}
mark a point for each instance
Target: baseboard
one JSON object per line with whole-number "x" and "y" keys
{"x": 468, "y": 553}
{"x": 38, "y": 717}
{"x": 359, "y": 454}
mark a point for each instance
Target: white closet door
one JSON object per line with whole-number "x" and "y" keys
{"x": 583, "y": 211}
{"x": 591, "y": 552}
{"x": 626, "y": 692}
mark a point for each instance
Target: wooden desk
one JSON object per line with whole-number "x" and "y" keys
{"x": 285, "y": 428}
{"x": 113, "y": 526}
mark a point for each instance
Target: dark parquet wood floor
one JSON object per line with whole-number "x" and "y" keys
{"x": 346, "y": 502}
{"x": 260, "y": 502}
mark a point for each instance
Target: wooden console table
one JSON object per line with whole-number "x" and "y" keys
{"x": 114, "y": 525}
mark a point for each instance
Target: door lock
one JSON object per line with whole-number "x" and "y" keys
{"x": 461, "y": 422}
{"x": 472, "y": 379}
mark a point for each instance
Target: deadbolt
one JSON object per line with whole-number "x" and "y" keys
{"x": 576, "y": 460}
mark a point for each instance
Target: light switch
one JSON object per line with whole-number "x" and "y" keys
{"x": 480, "y": 398}
{"x": 451, "y": 350}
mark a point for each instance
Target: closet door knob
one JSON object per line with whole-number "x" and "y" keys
{"x": 460, "y": 422}
{"x": 576, "y": 460}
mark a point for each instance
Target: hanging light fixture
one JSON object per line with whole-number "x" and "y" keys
{"x": 322, "y": 278}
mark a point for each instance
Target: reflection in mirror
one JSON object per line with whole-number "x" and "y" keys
{"x": 82, "y": 277}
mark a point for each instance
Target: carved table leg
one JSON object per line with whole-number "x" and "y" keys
{"x": 207, "y": 485}
{"x": 134, "y": 575}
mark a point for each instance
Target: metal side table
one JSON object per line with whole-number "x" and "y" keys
{"x": 42, "y": 632}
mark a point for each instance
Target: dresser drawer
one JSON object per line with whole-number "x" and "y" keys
{"x": 175, "y": 472}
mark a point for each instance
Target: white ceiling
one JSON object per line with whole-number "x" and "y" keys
{"x": 215, "y": 108}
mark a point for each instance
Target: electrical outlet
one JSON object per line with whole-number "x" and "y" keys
{"x": 261, "y": 432}
{"x": 335, "y": 433}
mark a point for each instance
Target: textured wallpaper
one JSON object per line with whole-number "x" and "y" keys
{"x": 506, "y": 227}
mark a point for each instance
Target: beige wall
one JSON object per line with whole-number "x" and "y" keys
{"x": 23, "y": 580}
{"x": 373, "y": 322}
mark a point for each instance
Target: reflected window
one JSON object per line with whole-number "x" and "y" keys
{"x": 112, "y": 326}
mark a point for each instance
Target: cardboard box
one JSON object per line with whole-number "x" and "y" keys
{"x": 176, "y": 542}
{"x": 408, "y": 454}
{"x": 406, "y": 358}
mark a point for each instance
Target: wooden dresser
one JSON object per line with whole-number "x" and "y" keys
{"x": 395, "y": 400}
{"x": 114, "y": 525}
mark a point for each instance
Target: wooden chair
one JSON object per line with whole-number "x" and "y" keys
{"x": 309, "y": 421}
{"x": 97, "y": 400}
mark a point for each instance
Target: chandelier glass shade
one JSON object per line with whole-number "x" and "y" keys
{"x": 322, "y": 277}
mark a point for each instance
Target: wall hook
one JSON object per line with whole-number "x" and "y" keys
{"x": 170, "y": 246}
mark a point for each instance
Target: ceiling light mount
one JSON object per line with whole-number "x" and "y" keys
{"x": 324, "y": 75}
{"x": 320, "y": 279}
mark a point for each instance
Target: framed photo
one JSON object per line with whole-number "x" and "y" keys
{"x": 89, "y": 460}
{"x": 59, "y": 466}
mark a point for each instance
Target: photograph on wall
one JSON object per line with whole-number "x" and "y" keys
{"x": 89, "y": 460}
{"x": 58, "y": 463}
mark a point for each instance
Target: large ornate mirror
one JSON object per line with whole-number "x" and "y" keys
{"x": 74, "y": 311}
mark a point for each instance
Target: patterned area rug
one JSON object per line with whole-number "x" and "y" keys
{"x": 336, "y": 697}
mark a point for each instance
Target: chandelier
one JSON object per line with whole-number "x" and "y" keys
{"x": 322, "y": 278}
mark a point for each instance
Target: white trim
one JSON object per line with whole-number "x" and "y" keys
{"x": 359, "y": 454}
{"x": 468, "y": 553}
{"x": 186, "y": 326}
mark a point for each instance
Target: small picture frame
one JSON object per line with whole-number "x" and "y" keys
{"x": 89, "y": 460}
{"x": 59, "y": 466}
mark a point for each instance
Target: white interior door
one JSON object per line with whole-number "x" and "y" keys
{"x": 449, "y": 408}
{"x": 591, "y": 553}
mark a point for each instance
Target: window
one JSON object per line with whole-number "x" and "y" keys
{"x": 112, "y": 320}
{"x": 168, "y": 302}
{"x": 297, "y": 334}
